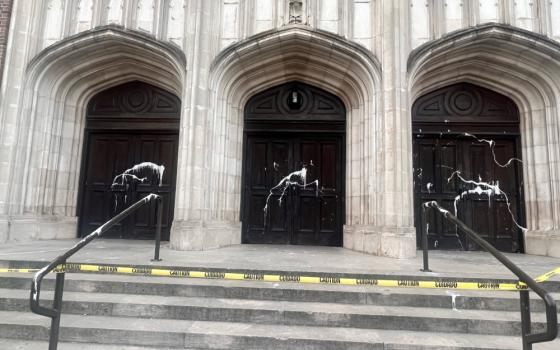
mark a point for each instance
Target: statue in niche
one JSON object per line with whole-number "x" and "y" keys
{"x": 296, "y": 7}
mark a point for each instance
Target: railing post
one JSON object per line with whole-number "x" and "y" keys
{"x": 525, "y": 319}
{"x": 159, "y": 203}
{"x": 424, "y": 231}
{"x": 57, "y": 306}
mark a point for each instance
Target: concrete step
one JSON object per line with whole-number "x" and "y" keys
{"x": 282, "y": 312}
{"x": 230, "y": 335}
{"x": 369, "y": 295}
{"x": 15, "y": 344}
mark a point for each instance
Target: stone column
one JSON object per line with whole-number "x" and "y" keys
{"x": 197, "y": 225}
{"x": 395, "y": 199}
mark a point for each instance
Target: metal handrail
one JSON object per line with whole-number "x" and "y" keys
{"x": 55, "y": 312}
{"x": 528, "y": 338}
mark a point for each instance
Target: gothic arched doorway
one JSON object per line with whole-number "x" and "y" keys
{"x": 466, "y": 156}
{"x": 288, "y": 128}
{"x": 127, "y": 125}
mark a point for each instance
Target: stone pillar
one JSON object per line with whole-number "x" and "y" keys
{"x": 197, "y": 224}
{"x": 395, "y": 200}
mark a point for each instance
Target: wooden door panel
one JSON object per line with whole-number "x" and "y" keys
{"x": 159, "y": 149}
{"x": 106, "y": 151}
{"x": 329, "y": 215}
{"x": 306, "y": 215}
{"x": 110, "y": 154}
{"x": 488, "y": 216}
{"x": 447, "y": 165}
{"x": 322, "y": 158}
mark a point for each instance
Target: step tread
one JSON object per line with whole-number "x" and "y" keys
{"x": 275, "y": 331}
{"x": 14, "y": 344}
{"x": 126, "y": 302}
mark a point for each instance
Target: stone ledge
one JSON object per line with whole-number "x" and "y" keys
{"x": 391, "y": 242}
{"x": 37, "y": 227}
{"x": 204, "y": 235}
{"x": 545, "y": 243}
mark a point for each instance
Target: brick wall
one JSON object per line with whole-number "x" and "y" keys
{"x": 5, "y": 14}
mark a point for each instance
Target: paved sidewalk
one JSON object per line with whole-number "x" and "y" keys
{"x": 280, "y": 258}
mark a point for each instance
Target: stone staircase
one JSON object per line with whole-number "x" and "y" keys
{"x": 103, "y": 312}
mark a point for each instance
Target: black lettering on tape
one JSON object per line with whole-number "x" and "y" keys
{"x": 107, "y": 269}
{"x": 288, "y": 278}
{"x": 253, "y": 276}
{"x": 366, "y": 281}
{"x": 449, "y": 284}
{"x": 144, "y": 270}
{"x": 211, "y": 274}
{"x": 408, "y": 283}
{"x": 179, "y": 273}
{"x": 72, "y": 267}
{"x": 487, "y": 285}
{"x": 333, "y": 280}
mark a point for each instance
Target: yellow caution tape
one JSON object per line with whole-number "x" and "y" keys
{"x": 548, "y": 275}
{"x": 446, "y": 284}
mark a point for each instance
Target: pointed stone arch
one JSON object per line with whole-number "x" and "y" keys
{"x": 525, "y": 67}
{"x": 59, "y": 81}
{"x": 211, "y": 190}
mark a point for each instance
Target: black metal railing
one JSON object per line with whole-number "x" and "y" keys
{"x": 528, "y": 338}
{"x": 55, "y": 311}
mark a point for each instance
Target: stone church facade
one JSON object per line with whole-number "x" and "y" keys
{"x": 207, "y": 60}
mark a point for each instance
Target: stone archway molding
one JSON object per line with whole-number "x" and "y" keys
{"x": 45, "y": 154}
{"x": 211, "y": 195}
{"x": 525, "y": 67}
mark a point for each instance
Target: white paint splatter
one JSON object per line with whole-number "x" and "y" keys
{"x": 489, "y": 189}
{"x": 453, "y": 300}
{"x": 288, "y": 181}
{"x": 144, "y": 166}
{"x": 429, "y": 187}
{"x": 130, "y": 174}
{"x": 492, "y": 144}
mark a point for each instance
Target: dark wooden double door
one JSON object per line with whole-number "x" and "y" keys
{"x": 308, "y": 216}
{"x": 110, "y": 154}
{"x": 474, "y": 131}
{"x": 127, "y": 125}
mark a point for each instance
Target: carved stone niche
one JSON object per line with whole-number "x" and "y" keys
{"x": 296, "y": 11}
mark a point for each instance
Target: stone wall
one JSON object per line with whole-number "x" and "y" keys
{"x": 376, "y": 55}
{"x": 5, "y": 14}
